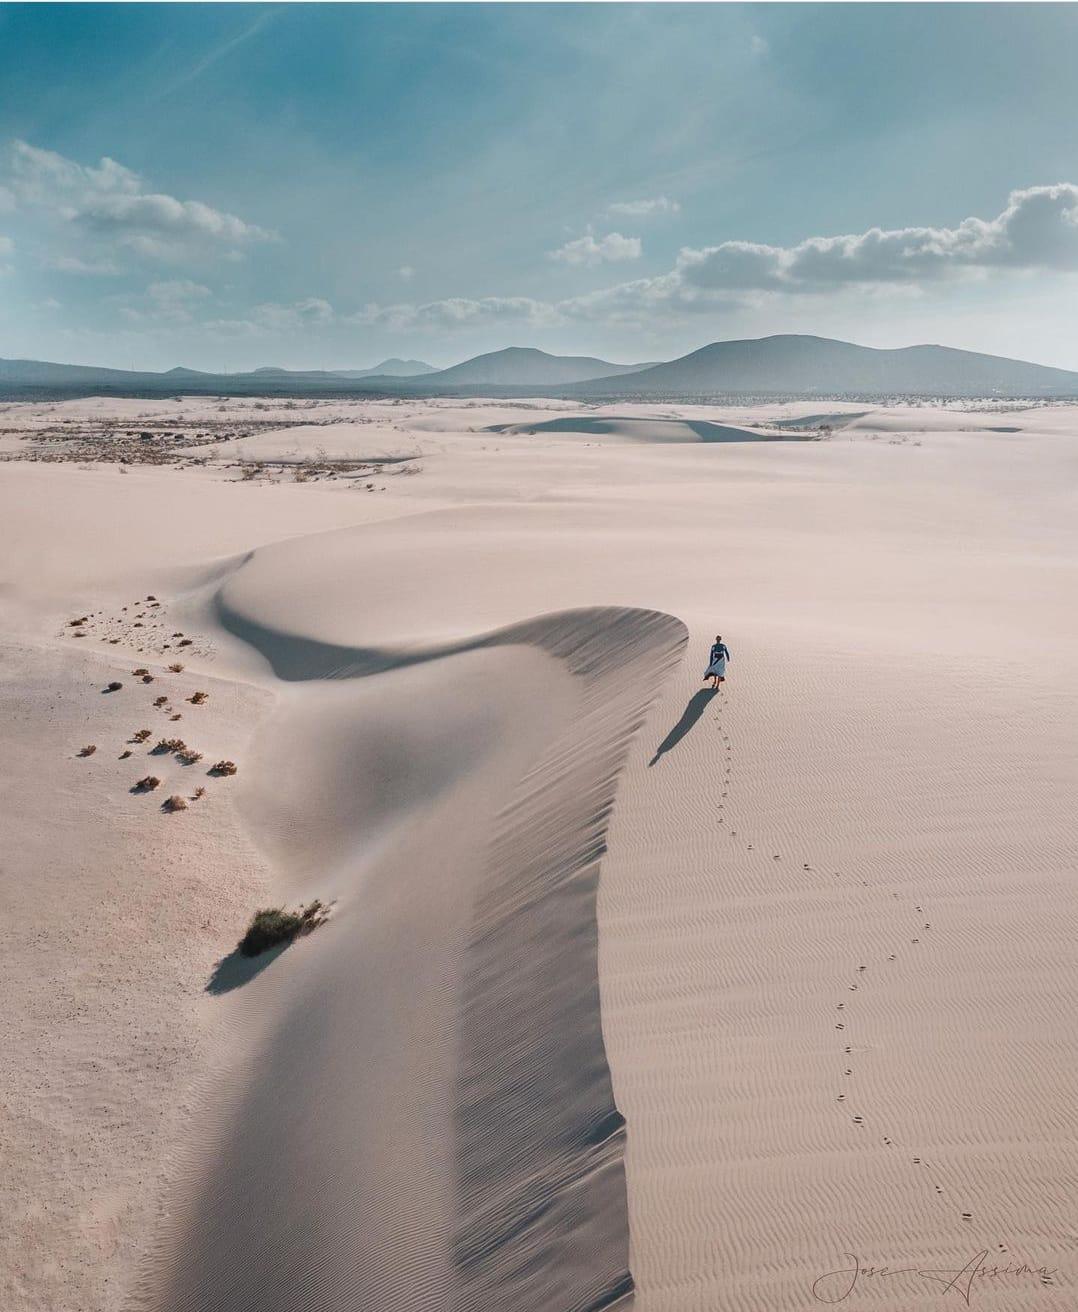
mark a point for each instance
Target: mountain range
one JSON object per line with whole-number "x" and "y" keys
{"x": 783, "y": 365}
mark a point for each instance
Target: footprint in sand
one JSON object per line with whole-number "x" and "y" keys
{"x": 840, "y": 1026}
{"x": 967, "y": 1216}
{"x": 858, "y": 1120}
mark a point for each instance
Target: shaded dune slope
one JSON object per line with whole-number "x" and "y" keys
{"x": 640, "y": 428}
{"x": 423, "y": 1118}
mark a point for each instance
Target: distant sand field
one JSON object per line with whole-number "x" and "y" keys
{"x": 630, "y": 991}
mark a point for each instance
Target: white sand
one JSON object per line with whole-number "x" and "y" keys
{"x": 415, "y": 1106}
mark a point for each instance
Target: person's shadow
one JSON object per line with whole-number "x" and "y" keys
{"x": 698, "y": 704}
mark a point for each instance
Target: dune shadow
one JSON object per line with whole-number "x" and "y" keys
{"x": 697, "y": 704}
{"x": 235, "y": 970}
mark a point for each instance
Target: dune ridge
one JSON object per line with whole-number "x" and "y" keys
{"x": 458, "y": 1144}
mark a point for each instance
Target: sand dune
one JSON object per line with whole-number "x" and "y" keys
{"x": 832, "y": 926}
{"x": 446, "y": 1137}
{"x": 640, "y": 428}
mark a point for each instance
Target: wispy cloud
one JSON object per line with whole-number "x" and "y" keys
{"x": 219, "y": 51}
{"x": 646, "y": 208}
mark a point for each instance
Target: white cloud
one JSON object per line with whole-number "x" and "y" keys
{"x": 645, "y": 209}
{"x": 272, "y": 319}
{"x": 73, "y": 264}
{"x": 1037, "y": 230}
{"x": 759, "y": 46}
{"x": 406, "y": 272}
{"x": 108, "y": 207}
{"x": 456, "y": 312}
{"x": 7, "y": 200}
{"x": 6, "y": 245}
{"x": 611, "y": 249}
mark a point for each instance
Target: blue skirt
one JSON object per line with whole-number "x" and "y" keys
{"x": 716, "y": 668}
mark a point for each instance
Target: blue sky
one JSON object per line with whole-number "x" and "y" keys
{"x": 225, "y": 186}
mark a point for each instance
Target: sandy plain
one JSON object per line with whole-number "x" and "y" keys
{"x": 629, "y": 990}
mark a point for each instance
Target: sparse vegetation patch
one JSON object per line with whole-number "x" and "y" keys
{"x": 274, "y": 925}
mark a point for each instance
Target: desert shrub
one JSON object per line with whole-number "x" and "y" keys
{"x": 199, "y": 792}
{"x": 160, "y": 701}
{"x": 88, "y": 750}
{"x": 148, "y": 783}
{"x": 114, "y": 686}
{"x": 188, "y": 757}
{"x": 140, "y": 735}
{"x": 147, "y": 678}
{"x": 175, "y": 668}
{"x": 139, "y": 672}
{"x": 185, "y": 642}
{"x": 197, "y": 698}
{"x": 125, "y": 754}
{"x": 274, "y": 925}
{"x": 224, "y": 767}
{"x": 174, "y": 803}
{"x": 170, "y": 745}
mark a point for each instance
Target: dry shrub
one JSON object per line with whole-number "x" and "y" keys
{"x": 274, "y": 925}
{"x": 197, "y": 698}
{"x": 188, "y": 756}
{"x": 88, "y": 750}
{"x": 225, "y": 767}
{"x": 114, "y": 686}
{"x": 147, "y": 784}
{"x": 140, "y": 672}
{"x": 160, "y": 701}
{"x": 174, "y": 803}
{"x": 175, "y": 668}
{"x": 140, "y": 735}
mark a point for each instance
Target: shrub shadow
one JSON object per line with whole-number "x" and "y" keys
{"x": 235, "y": 970}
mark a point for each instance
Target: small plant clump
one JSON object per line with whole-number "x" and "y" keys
{"x": 197, "y": 698}
{"x": 137, "y": 674}
{"x": 170, "y": 745}
{"x": 199, "y": 792}
{"x": 160, "y": 701}
{"x": 114, "y": 686}
{"x": 174, "y": 803}
{"x": 88, "y": 750}
{"x": 176, "y": 667}
{"x": 148, "y": 783}
{"x": 140, "y": 735}
{"x": 188, "y": 756}
{"x": 274, "y": 925}
{"x": 74, "y": 624}
{"x": 225, "y": 767}
{"x": 147, "y": 678}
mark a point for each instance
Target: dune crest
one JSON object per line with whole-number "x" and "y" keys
{"x": 457, "y": 1146}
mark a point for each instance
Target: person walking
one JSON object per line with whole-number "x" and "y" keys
{"x": 720, "y": 654}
